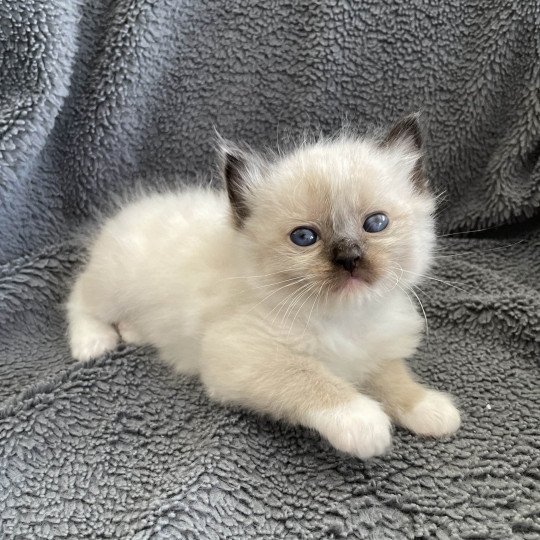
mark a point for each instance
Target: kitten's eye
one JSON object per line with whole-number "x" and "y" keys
{"x": 376, "y": 223}
{"x": 303, "y": 236}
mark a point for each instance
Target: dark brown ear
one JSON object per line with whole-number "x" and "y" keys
{"x": 406, "y": 133}
{"x": 235, "y": 173}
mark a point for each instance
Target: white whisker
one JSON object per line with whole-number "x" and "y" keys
{"x": 467, "y": 232}
{"x": 462, "y": 253}
{"x": 272, "y": 294}
{"x": 300, "y": 309}
{"x": 313, "y": 306}
{"x": 422, "y": 308}
{"x": 285, "y": 302}
{"x": 295, "y": 301}
{"x": 278, "y": 282}
{"x": 256, "y": 276}
{"x": 449, "y": 283}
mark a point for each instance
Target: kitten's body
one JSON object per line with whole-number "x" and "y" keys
{"x": 265, "y": 324}
{"x": 187, "y": 236}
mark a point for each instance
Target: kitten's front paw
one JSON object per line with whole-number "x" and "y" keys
{"x": 92, "y": 339}
{"x": 434, "y": 416}
{"x": 360, "y": 427}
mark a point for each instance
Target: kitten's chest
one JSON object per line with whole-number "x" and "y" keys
{"x": 352, "y": 346}
{"x": 347, "y": 349}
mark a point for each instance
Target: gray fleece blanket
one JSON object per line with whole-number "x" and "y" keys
{"x": 100, "y": 96}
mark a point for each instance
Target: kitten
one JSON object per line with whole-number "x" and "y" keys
{"x": 286, "y": 293}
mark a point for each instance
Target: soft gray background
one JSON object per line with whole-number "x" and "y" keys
{"x": 97, "y": 97}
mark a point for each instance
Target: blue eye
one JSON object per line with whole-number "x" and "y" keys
{"x": 376, "y": 223}
{"x": 303, "y": 236}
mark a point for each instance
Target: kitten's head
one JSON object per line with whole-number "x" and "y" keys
{"x": 344, "y": 217}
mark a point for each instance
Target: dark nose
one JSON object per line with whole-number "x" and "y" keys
{"x": 347, "y": 254}
{"x": 349, "y": 263}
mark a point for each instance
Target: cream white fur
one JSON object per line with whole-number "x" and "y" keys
{"x": 254, "y": 315}
{"x": 434, "y": 416}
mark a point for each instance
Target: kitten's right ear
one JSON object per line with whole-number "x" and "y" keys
{"x": 405, "y": 131}
{"x": 235, "y": 164}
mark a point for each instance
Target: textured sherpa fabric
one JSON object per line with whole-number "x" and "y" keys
{"x": 99, "y": 96}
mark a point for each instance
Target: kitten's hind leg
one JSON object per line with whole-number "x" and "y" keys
{"x": 412, "y": 405}
{"x": 89, "y": 336}
{"x": 129, "y": 334}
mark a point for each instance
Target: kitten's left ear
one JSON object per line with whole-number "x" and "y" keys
{"x": 407, "y": 134}
{"x": 406, "y": 131}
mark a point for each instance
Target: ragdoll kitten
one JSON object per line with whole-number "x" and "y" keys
{"x": 287, "y": 293}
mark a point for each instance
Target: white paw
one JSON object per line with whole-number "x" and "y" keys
{"x": 92, "y": 339}
{"x": 435, "y": 416}
{"x": 360, "y": 427}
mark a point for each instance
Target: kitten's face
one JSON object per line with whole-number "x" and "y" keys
{"x": 342, "y": 218}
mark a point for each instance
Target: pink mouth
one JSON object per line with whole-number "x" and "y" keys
{"x": 352, "y": 283}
